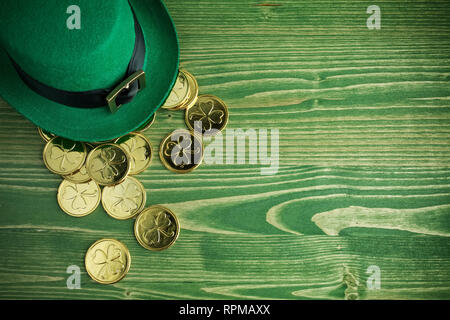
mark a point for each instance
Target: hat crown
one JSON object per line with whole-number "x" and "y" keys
{"x": 36, "y": 35}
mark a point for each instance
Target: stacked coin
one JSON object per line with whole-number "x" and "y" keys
{"x": 182, "y": 150}
{"x": 86, "y": 168}
{"x": 210, "y": 112}
{"x": 184, "y": 92}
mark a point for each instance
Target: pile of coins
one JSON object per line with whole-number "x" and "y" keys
{"x": 103, "y": 172}
{"x": 182, "y": 150}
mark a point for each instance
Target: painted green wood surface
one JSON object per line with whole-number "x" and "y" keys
{"x": 364, "y": 174}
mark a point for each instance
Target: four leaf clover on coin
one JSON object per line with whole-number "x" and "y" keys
{"x": 182, "y": 151}
{"x": 157, "y": 227}
{"x": 111, "y": 261}
{"x": 206, "y": 112}
{"x": 78, "y": 194}
{"x": 65, "y": 155}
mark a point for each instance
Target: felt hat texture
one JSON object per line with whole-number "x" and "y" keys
{"x": 35, "y": 34}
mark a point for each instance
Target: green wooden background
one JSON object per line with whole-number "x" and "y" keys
{"x": 364, "y": 165}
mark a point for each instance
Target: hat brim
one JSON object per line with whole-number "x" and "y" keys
{"x": 99, "y": 124}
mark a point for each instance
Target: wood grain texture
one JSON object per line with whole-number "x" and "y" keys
{"x": 364, "y": 177}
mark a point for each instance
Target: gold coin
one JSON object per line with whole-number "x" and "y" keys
{"x": 45, "y": 135}
{"x": 125, "y": 200}
{"x": 78, "y": 199}
{"x": 108, "y": 164}
{"x": 147, "y": 124}
{"x": 139, "y": 149}
{"x": 193, "y": 94}
{"x": 179, "y": 94}
{"x": 181, "y": 151}
{"x": 210, "y": 112}
{"x": 62, "y": 156}
{"x": 80, "y": 176}
{"x": 107, "y": 261}
{"x": 156, "y": 228}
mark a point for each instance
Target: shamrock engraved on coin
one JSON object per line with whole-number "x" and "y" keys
{"x": 157, "y": 226}
{"x": 111, "y": 262}
{"x": 207, "y": 113}
{"x": 107, "y": 261}
{"x": 139, "y": 149}
{"x": 108, "y": 164}
{"x": 124, "y": 200}
{"x": 78, "y": 199}
{"x": 78, "y": 196}
{"x": 127, "y": 198}
{"x": 178, "y": 92}
{"x": 182, "y": 151}
{"x": 110, "y": 160}
{"x": 65, "y": 156}
{"x": 137, "y": 153}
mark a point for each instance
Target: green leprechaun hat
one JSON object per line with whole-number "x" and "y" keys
{"x": 96, "y": 81}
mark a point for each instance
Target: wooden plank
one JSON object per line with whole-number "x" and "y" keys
{"x": 363, "y": 179}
